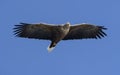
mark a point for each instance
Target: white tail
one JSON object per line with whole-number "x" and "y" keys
{"x": 50, "y": 49}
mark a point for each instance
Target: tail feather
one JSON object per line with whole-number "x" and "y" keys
{"x": 51, "y": 47}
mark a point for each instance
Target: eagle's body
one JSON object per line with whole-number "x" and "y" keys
{"x": 56, "y": 33}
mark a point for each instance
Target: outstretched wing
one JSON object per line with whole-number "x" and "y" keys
{"x": 85, "y": 31}
{"x": 36, "y": 31}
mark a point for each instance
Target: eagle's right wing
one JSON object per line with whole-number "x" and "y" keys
{"x": 36, "y": 31}
{"x": 85, "y": 31}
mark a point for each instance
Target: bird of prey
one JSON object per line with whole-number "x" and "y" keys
{"x": 56, "y": 33}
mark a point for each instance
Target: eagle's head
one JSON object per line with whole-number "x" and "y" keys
{"x": 66, "y": 26}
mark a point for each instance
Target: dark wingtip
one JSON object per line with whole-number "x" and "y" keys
{"x": 24, "y": 23}
{"x": 102, "y": 27}
{"x": 18, "y": 29}
{"x": 100, "y": 33}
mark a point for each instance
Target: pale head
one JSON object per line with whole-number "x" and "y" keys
{"x": 68, "y": 23}
{"x": 66, "y": 26}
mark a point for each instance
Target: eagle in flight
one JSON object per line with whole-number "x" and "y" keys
{"x": 56, "y": 33}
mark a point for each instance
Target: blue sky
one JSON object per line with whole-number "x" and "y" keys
{"x": 20, "y": 56}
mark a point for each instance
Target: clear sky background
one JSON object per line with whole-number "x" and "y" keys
{"x": 20, "y": 56}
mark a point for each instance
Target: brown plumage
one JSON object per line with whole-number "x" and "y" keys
{"x": 55, "y": 33}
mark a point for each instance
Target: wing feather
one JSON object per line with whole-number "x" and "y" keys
{"x": 85, "y": 31}
{"x": 36, "y": 31}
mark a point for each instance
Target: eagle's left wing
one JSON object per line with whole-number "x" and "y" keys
{"x": 85, "y": 31}
{"x": 36, "y": 31}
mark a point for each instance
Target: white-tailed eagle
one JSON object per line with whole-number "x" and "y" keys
{"x": 56, "y": 33}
